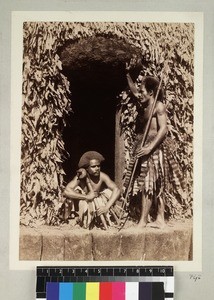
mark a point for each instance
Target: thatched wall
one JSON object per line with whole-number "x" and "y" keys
{"x": 47, "y": 101}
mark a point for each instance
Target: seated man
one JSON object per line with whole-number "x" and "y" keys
{"x": 94, "y": 190}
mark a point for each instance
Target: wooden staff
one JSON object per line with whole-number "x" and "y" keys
{"x": 114, "y": 215}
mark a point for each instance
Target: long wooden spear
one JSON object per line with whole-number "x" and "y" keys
{"x": 143, "y": 142}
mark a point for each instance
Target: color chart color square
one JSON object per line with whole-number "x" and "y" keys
{"x": 105, "y": 291}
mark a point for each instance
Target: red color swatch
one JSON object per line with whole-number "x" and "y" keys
{"x": 105, "y": 291}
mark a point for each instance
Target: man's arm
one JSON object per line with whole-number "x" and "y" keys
{"x": 114, "y": 195}
{"x": 162, "y": 125}
{"x": 131, "y": 84}
{"x": 72, "y": 194}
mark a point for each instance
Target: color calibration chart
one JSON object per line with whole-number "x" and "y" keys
{"x": 105, "y": 283}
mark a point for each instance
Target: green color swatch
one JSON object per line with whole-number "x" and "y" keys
{"x": 79, "y": 291}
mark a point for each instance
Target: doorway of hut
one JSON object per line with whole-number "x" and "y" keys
{"x": 95, "y": 67}
{"x": 92, "y": 124}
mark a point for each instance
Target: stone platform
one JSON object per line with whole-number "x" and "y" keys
{"x": 174, "y": 242}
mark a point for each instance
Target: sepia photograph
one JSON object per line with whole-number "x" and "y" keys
{"x": 107, "y": 141}
{"x": 107, "y": 131}
{"x": 106, "y": 146}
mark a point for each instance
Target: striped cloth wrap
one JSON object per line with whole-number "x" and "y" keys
{"x": 157, "y": 174}
{"x": 87, "y": 210}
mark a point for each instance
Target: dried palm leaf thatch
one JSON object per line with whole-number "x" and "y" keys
{"x": 47, "y": 101}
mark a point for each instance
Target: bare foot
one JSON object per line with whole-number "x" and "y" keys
{"x": 157, "y": 224}
{"x": 141, "y": 225}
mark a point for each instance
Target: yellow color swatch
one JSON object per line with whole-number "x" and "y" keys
{"x": 92, "y": 290}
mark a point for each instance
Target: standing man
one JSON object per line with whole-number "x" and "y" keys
{"x": 152, "y": 178}
{"x": 93, "y": 189}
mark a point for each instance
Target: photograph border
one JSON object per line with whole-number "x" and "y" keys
{"x": 16, "y": 99}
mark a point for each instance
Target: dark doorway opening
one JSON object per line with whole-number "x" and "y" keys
{"x": 95, "y": 67}
{"x": 91, "y": 126}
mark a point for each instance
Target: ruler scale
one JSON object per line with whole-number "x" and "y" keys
{"x": 148, "y": 274}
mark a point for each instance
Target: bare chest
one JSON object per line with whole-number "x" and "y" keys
{"x": 96, "y": 186}
{"x": 143, "y": 119}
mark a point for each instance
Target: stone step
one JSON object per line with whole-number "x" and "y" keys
{"x": 58, "y": 244}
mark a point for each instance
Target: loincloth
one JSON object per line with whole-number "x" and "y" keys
{"x": 158, "y": 174}
{"x": 87, "y": 210}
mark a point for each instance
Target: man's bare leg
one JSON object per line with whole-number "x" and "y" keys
{"x": 145, "y": 209}
{"x": 160, "y": 222}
